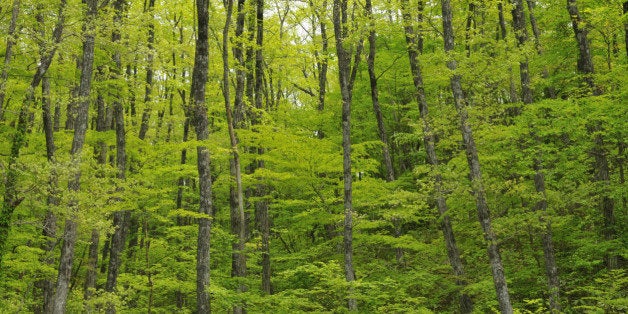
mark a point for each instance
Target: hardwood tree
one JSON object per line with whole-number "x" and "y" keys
{"x": 497, "y": 268}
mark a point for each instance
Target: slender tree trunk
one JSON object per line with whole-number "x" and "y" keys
{"x": 120, "y": 223}
{"x": 606, "y": 203}
{"x": 50, "y": 222}
{"x": 199, "y": 117}
{"x": 390, "y": 173}
{"x": 149, "y": 70}
{"x": 466, "y": 305}
{"x": 521, "y": 32}
{"x": 240, "y": 111}
{"x": 625, "y": 7}
{"x": 346, "y": 75}
{"x": 585, "y": 62}
{"x": 499, "y": 278}
{"x": 551, "y": 270}
{"x": 261, "y": 206}
{"x": 11, "y": 197}
{"x": 92, "y": 265}
{"x": 70, "y": 232}
{"x": 8, "y": 54}
{"x": 238, "y": 263}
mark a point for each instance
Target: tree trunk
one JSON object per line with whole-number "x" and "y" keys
{"x": 70, "y": 232}
{"x": 606, "y": 203}
{"x": 149, "y": 70}
{"x": 585, "y": 62}
{"x": 390, "y": 173}
{"x": 92, "y": 265}
{"x": 120, "y": 224}
{"x": 521, "y": 32}
{"x": 261, "y": 206}
{"x": 499, "y": 278}
{"x": 199, "y": 117}
{"x": 11, "y": 198}
{"x": 50, "y": 222}
{"x": 240, "y": 110}
{"x": 625, "y": 7}
{"x": 238, "y": 262}
{"x": 8, "y": 54}
{"x": 551, "y": 270}
{"x": 346, "y": 75}
{"x": 466, "y": 305}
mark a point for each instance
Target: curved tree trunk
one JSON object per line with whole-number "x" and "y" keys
{"x": 499, "y": 277}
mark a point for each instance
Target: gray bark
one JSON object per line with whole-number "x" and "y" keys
{"x": 50, "y": 222}
{"x": 499, "y": 278}
{"x": 199, "y": 117}
{"x": 149, "y": 71}
{"x": 8, "y": 54}
{"x": 118, "y": 238}
{"x": 11, "y": 197}
{"x": 606, "y": 203}
{"x": 551, "y": 269}
{"x": 429, "y": 141}
{"x": 346, "y": 76}
{"x": 92, "y": 265}
{"x": 521, "y": 33}
{"x": 70, "y": 232}
{"x": 238, "y": 256}
{"x": 381, "y": 128}
{"x": 585, "y": 62}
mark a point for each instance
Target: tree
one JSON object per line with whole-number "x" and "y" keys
{"x": 499, "y": 278}
{"x": 11, "y": 197}
{"x": 429, "y": 141}
{"x": 199, "y": 118}
{"x": 8, "y": 53}
{"x": 80, "y": 128}
{"x": 346, "y": 74}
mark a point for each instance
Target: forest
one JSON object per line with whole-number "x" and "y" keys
{"x": 325, "y": 156}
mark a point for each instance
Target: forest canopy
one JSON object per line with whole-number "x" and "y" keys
{"x": 365, "y": 156}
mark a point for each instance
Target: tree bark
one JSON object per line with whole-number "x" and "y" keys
{"x": 11, "y": 197}
{"x": 92, "y": 265}
{"x": 551, "y": 270}
{"x": 261, "y": 206}
{"x": 521, "y": 33}
{"x": 199, "y": 117}
{"x": 381, "y": 128}
{"x": 466, "y": 305}
{"x": 70, "y": 231}
{"x": 8, "y": 54}
{"x": 625, "y": 8}
{"x": 238, "y": 261}
{"x": 499, "y": 278}
{"x": 240, "y": 110}
{"x": 606, "y": 203}
{"x": 346, "y": 76}
{"x": 120, "y": 223}
{"x": 149, "y": 70}
{"x": 585, "y": 62}
{"x": 50, "y": 221}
